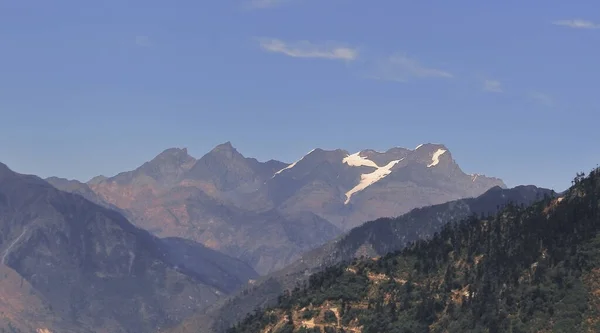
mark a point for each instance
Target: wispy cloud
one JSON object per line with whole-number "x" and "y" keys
{"x": 577, "y": 24}
{"x": 542, "y": 98}
{"x": 265, "y": 3}
{"x": 305, "y": 49}
{"x": 143, "y": 41}
{"x": 492, "y": 86}
{"x": 400, "y": 67}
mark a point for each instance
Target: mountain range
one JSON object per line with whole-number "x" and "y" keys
{"x": 70, "y": 265}
{"x": 72, "y": 261}
{"x": 527, "y": 268}
{"x": 370, "y": 240}
{"x": 269, "y": 213}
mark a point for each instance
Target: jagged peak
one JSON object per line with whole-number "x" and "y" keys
{"x": 4, "y": 170}
{"x": 225, "y": 149}
{"x": 371, "y": 151}
{"x": 224, "y": 146}
{"x": 317, "y": 154}
{"x": 97, "y": 180}
{"x": 7, "y": 173}
{"x": 173, "y": 152}
{"x": 394, "y": 149}
{"x": 494, "y": 189}
{"x": 172, "y": 156}
{"x": 429, "y": 146}
{"x": 57, "y": 179}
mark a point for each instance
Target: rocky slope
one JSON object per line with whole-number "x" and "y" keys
{"x": 349, "y": 189}
{"x": 83, "y": 189}
{"x": 269, "y": 213}
{"x": 372, "y": 239}
{"x": 69, "y": 265}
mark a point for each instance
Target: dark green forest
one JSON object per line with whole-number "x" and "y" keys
{"x": 525, "y": 269}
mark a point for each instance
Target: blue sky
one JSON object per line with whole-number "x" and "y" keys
{"x": 90, "y": 88}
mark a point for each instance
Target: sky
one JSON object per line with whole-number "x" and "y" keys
{"x": 510, "y": 87}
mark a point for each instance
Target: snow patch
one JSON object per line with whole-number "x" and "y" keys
{"x": 358, "y": 161}
{"x": 419, "y": 146}
{"x": 7, "y": 251}
{"x": 369, "y": 179}
{"x": 435, "y": 159}
{"x": 475, "y": 176}
{"x": 131, "y": 260}
{"x": 286, "y": 168}
{"x": 292, "y": 165}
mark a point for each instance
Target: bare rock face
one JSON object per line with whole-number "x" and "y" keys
{"x": 269, "y": 213}
{"x": 349, "y": 189}
{"x": 70, "y": 265}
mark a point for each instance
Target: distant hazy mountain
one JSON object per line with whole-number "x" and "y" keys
{"x": 83, "y": 189}
{"x": 349, "y": 189}
{"x": 373, "y": 239}
{"x": 226, "y": 169}
{"x": 69, "y": 265}
{"x": 269, "y": 213}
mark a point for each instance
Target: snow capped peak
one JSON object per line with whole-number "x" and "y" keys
{"x": 293, "y": 164}
{"x": 435, "y": 159}
{"x": 366, "y": 179}
{"x": 286, "y": 168}
{"x": 369, "y": 179}
{"x": 358, "y": 161}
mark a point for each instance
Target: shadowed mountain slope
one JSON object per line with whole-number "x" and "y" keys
{"x": 525, "y": 269}
{"x": 373, "y": 239}
{"x": 69, "y": 265}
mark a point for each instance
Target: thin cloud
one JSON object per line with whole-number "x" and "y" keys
{"x": 542, "y": 98}
{"x": 143, "y": 41}
{"x": 492, "y": 86}
{"x": 400, "y": 67}
{"x": 307, "y": 49}
{"x": 577, "y": 24}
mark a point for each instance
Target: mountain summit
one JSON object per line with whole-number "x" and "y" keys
{"x": 350, "y": 188}
{"x": 227, "y": 170}
{"x": 225, "y": 199}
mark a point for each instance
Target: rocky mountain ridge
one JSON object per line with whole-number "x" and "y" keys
{"x": 69, "y": 265}
{"x": 372, "y": 239}
{"x": 224, "y": 199}
{"x": 528, "y": 268}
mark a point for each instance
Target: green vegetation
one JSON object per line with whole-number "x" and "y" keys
{"x": 527, "y": 269}
{"x": 330, "y": 317}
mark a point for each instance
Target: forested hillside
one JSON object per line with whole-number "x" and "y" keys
{"x": 526, "y": 269}
{"x": 372, "y": 239}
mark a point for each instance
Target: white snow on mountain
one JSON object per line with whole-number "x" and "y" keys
{"x": 369, "y": 179}
{"x": 357, "y": 160}
{"x": 419, "y": 146}
{"x": 292, "y": 165}
{"x": 435, "y": 159}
